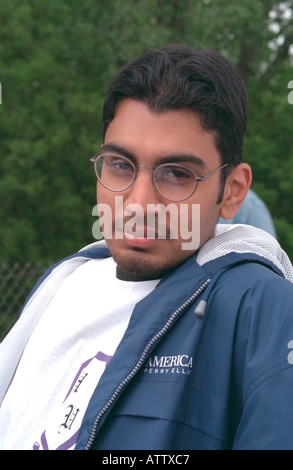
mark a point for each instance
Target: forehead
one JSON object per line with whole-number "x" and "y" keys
{"x": 151, "y": 136}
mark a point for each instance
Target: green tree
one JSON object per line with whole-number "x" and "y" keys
{"x": 56, "y": 60}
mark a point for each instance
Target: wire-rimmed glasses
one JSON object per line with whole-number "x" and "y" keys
{"x": 174, "y": 181}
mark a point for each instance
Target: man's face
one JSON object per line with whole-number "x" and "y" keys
{"x": 151, "y": 139}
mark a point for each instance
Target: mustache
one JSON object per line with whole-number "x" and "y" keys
{"x": 147, "y": 226}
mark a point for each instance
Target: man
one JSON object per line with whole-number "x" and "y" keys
{"x": 175, "y": 333}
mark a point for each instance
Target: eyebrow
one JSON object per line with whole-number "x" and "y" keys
{"x": 178, "y": 157}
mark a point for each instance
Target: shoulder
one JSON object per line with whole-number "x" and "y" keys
{"x": 253, "y": 275}
{"x": 258, "y": 304}
{"x": 251, "y": 299}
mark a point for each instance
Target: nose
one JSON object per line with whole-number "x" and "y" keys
{"x": 142, "y": 191}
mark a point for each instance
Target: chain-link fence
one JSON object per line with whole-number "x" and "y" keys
{"x": 16, "y": 282}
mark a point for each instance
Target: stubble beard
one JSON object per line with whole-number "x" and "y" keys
{"x": 136, "y": 266}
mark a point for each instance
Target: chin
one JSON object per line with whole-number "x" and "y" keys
{"x": 136, "y": 267}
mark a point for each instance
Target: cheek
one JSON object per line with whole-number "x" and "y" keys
{"x": 208, "y": 221}
{"x": 104, "y": 196}
{"x": 106, "y": 211}
{"x": 206, "y": 216}
{"x": 101, "y": 192}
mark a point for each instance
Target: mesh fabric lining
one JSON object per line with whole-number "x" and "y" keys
{"x": 245, "y": 239}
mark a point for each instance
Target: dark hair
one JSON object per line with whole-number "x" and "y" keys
{"x": 177, "y": 77}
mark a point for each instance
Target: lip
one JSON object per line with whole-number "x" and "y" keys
{"x": 139, "y": 242}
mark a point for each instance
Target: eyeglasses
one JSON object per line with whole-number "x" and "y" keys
{"x": 175, "y": 182}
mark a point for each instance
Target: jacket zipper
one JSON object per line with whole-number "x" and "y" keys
{"x": 142, "y": 359}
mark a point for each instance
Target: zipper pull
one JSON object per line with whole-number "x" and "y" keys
{"x": 200, "y": 309}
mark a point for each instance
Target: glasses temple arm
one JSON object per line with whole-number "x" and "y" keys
{"x": 202, "y": 178}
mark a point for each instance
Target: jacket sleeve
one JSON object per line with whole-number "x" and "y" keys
{"x": 264, "y": 344}
{"x": 267, "y": 418}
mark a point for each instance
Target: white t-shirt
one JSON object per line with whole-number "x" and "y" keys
{"x": 66, "y": 355}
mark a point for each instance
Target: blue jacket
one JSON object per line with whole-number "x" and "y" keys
{"x": 206, "y": 360}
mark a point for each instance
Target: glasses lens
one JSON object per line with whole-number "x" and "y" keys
{"x": 115, "y": 172}
{"x": 175, "y": 182}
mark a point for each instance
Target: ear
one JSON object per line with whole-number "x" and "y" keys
{"x": 236, "y": 188}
